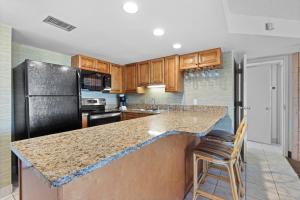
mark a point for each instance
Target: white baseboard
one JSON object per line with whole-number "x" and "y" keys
{"x": 5, "y": 191}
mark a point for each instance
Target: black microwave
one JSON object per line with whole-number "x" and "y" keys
{"x": 95, "y": 81}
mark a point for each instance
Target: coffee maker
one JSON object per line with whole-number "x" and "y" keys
{"x": 122, "y": 102}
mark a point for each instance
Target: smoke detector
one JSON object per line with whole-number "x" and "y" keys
{"x": 269, "y": 26}
{"x": 59, "y": 23}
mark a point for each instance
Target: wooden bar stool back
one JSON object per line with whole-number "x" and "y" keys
{"x": 223, "y": 156}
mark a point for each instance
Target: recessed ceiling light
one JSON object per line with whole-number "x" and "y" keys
{"x": 177, "y": 46}
{"x": 130, "y": 7}
{"x": 158, "y": 32}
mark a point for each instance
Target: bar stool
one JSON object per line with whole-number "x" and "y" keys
{"x": 226, "y": 137}
{"x": 223, "y": 155}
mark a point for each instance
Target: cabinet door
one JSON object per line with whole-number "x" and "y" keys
{"x": 84, "y": 62}
{"x": 143, "y": 78}
{"x": 116, "y": 79}
{"x": 157, "y": 71}
{"x": 189, "y": 61}
{"x": 130, "y": 75}
{"x": 102, "y": 66}
{"x": 210, "y": 58}
{"x": 173, "y": 75}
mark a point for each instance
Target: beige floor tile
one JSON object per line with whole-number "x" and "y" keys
{"x": 9, "y": 197}
{"x": 223, "y": 193}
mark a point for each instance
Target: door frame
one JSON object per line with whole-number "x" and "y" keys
{"x": 284, "y": 99}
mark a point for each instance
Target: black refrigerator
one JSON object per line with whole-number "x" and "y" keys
{"x": 46, "y": 99}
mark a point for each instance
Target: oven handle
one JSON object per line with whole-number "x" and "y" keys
{"x": 102, "y": 116}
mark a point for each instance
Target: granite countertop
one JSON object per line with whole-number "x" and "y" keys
{"x": 64, "y": 156}
{"x": 143, "y": 111}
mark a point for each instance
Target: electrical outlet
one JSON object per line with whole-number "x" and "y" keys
{"x": 195, "y": 102}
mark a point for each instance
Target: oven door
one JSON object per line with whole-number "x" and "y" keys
{"x": 100, "y": 119}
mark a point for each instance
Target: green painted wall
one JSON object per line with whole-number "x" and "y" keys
{"x": 21, "y": 52}
{"x": 5, "y": 107}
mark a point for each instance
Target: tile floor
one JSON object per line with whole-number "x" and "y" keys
{"x": 268, "y": 177}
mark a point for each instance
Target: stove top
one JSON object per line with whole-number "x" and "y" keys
{"x": 95, "y": 106}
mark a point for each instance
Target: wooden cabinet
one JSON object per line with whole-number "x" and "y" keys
{"x": 83, "y": 62}
{"x": 89, "y": 63}
{"x": 84, "y": 120}
{"x": 157, "y": 71}
{"x": 102, "y": 66}
{"x": 116, "y": 79}
{"x": 173, "y": 75}
{"x": 189, "y": 61}
{"x": 133, "y": 115}
{"x": 130, "y": 78}
{"x": 209, "y": 58}
{"x": 143, "y": 69}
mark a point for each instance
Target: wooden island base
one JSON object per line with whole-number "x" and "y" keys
{"x": 159, "y": 171}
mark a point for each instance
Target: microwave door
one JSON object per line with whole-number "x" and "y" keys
{"x": 92, "y": 81}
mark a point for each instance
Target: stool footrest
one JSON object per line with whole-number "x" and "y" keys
{"x": 208, "y": 195}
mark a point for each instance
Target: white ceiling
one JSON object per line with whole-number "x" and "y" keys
{"x": 286, "y": 9}
{"x": 105, "y": 31}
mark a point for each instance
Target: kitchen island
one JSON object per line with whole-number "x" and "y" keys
{"x": 144, "y": 158}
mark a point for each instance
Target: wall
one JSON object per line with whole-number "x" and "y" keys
{"x": 21, "y": 52}
{"x": 206, "y": 91}
{"x": 5, "y": 107}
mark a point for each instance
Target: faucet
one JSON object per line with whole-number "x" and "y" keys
{"x": 153, "y": 106}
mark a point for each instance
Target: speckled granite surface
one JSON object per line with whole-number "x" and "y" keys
{"x": 62, "y": 157}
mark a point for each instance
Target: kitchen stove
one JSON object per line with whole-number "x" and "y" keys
{"x": 96, "y": 112}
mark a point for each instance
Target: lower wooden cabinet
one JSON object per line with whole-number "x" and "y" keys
{"x": 173, "y": 75}
{"x": 84, "y": 118}
{"x": 130, "y": 78}
{"x": 133, "y": 115}
{"x": 116, "y": 79}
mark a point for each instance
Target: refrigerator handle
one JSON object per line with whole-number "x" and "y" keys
{"x": 79, "y": 93}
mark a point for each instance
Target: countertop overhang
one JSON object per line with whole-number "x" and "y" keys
{"x": 64, "y": 156}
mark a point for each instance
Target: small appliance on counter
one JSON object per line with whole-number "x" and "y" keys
{"x": 122, "y": 102}
{"x": 94, "y": 108}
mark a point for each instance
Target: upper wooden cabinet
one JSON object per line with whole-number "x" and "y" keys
{"x": 143, "y": 70}
{"x": 173, "y": 75}
{"x": 102, "y": 66}
{"x": 83, "y": 62}
{"x": 89, "y": 63}
{"x": 116, "y": 79}
{"x": 130, "y": 78}
{"x": 189, "y": 61}
{"x": 157, "y": 71}
{"x": 210, "y": 58}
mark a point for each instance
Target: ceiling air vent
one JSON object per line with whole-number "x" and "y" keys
{"x": 58, "y": 23}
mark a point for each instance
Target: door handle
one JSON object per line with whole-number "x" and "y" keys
{"x": 268, "y": 108}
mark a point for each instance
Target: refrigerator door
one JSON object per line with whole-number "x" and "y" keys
{"x": 52, "y": 114}
{"x": 51, "y": 79}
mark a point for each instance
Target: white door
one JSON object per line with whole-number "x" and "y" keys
{"x": 259, "y": 103}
